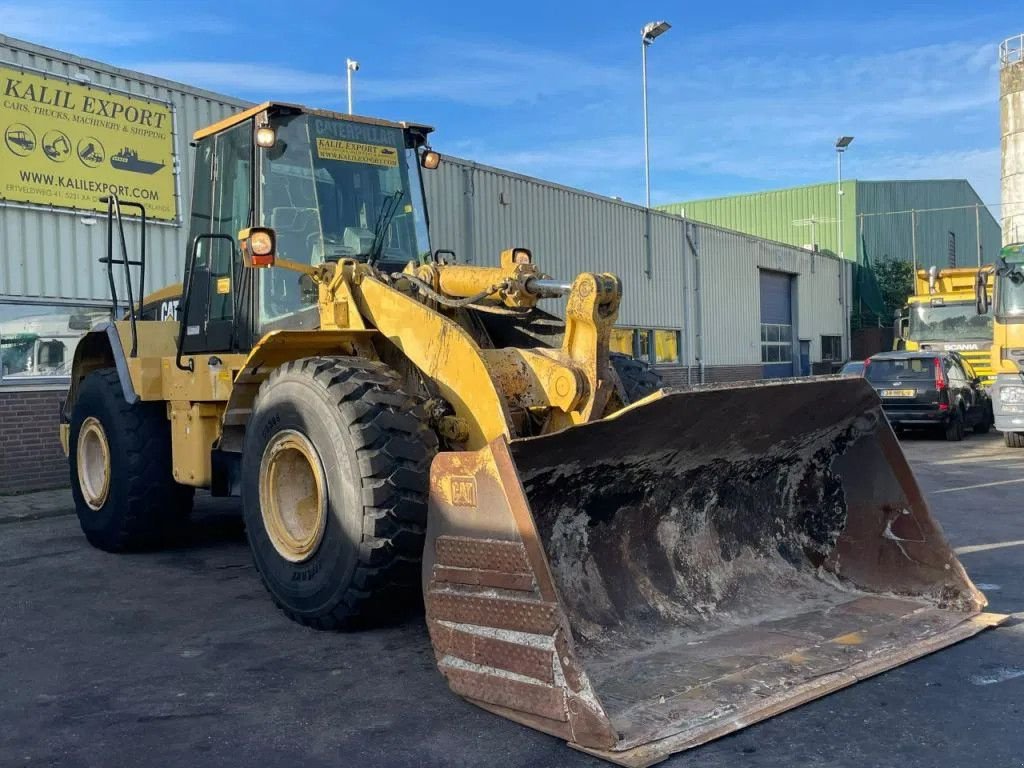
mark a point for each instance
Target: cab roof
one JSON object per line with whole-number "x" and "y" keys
{"x": 281, "y": 106}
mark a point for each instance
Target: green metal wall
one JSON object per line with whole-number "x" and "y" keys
{"x": 890, "y": 234}
{"x": 774, "y": 214}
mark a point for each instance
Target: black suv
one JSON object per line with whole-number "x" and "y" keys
{"x": 940, "y": 389}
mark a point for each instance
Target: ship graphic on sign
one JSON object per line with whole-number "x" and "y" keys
{"x": 128, "y": 160}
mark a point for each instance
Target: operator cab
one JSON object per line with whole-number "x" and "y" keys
{"x": 331, "y": 187}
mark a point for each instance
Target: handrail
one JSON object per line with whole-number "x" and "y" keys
{"x": 114, "y": 205}
{"x": 1011, "y": 50}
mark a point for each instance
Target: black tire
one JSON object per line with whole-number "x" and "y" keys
{"x": 375, "y": 450}
{"x": 955, "y": 427}
{"x": 1013, "y": 439}
{"x": 144, "y": 506}
{"x": 638, "y": 378}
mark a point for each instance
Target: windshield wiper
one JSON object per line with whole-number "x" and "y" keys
{"x": 388, "y": 209}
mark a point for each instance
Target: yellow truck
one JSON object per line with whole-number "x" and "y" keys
{"x": 942, "y": 314}
{"x": 1007, "y": 352}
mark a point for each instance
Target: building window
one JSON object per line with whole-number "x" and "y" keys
{"x": 643, "y": 344}
{"x": 952, "y": 249}
{"x": 657, "y": 346}
{"x": 832, "y": 348}
{"x": 776, "y": 343}
{"x": 666, "y": 347}
{"x": 37, "y": 341}
{"x": 622, "y": 341}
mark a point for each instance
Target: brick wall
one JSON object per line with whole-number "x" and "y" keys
{"x": 30, "y": 455}
{"x": 675, "y": 375}
{"x": 718, "y": 373}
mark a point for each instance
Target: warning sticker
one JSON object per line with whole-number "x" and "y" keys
{"x": 356, "y": 152}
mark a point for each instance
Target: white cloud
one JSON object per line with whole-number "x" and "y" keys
{"x": 261, "y": 81}
{"x": 495, "y": 76}
{"x": 470, "y": 75}
{"x": 82, "y": 24}
{"x": 71, "y": 24}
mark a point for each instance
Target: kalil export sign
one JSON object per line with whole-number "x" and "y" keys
{"x": 65, "y": 144}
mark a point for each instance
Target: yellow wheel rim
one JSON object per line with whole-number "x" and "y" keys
{"x": 93, "y": 459}
{"x": 293, "y": 495}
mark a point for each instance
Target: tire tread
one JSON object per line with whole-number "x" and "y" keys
{"x": 155, "y": 505}
{"x": 394, "y": 451}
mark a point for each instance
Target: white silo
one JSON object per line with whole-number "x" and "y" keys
{"x": 1011, "y": 123}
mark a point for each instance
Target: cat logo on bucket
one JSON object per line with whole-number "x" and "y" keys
{"x": 463, "y": 491}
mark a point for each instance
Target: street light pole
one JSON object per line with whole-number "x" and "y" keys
{"x": 351, "y": 65}
{"x": 648, "y": 34}
{"x": 841, "y": 144}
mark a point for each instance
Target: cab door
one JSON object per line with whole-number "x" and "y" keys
{"x": 222, "y": 204}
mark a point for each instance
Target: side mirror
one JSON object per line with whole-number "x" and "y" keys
{"x": 258, "y": 246}
{"x": 981, "y": 293}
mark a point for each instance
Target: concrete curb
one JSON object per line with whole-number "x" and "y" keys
{"x": 36, "y": 506}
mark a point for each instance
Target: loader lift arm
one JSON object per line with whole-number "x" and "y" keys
{"x": 484, "y": 385}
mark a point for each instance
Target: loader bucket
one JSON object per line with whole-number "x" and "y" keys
{"x": 699, "y": 561}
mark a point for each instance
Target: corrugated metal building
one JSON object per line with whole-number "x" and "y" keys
{"x": 697, "y": 282}
{"x": 938, "y": 221}
{"x": 51, "y": 284}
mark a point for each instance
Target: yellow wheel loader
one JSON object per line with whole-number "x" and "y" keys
{"x": 635, "y": 576}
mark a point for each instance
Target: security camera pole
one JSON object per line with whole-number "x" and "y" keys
{"x": 351, "y": 65}
{"x": 648, "y": 34}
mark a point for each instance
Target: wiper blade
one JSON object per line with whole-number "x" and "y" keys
{"x": 388, "y": 209}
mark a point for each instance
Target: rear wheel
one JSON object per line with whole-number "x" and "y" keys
{"x": 120, "y": 459}
{"x": 638, "y": 378}
{"x": 334, "y": 486}
{"x": 1013, "y": 439}
{"x": 955, "y": 427}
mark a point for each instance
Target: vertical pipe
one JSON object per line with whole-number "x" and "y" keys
{"x": 913, "y": 238}
{"x": 977, "y": 229}
{"x": 698, "y": 309}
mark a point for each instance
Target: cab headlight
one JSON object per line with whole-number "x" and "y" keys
{"x": 1011, "y": 394}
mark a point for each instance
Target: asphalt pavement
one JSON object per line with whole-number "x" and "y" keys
{"x": 178, "y": 658}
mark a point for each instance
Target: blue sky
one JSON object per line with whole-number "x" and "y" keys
{"x": 744, "y": 96}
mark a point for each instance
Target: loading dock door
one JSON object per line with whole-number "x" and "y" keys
{"x": 776, "y": 324}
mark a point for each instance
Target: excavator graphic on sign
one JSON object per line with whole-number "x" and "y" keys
{"x": 58, "y": 148}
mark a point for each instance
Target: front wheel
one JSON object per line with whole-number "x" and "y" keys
{"x": 334, "y": 486}
{"x": 1013, "y": 439}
